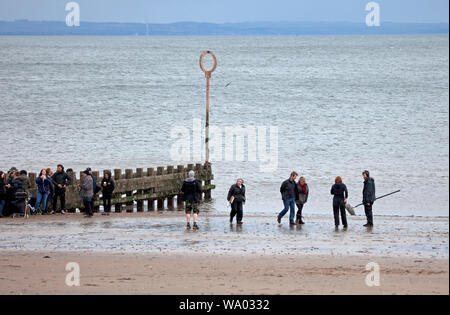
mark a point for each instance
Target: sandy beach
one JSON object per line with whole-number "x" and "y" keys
{"x": 151, "y": 253}
{"x": 44, "y": 273}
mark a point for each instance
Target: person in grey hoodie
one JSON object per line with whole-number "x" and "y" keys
{"x": 368, "y": 197}
{"x": 87, "y": 193}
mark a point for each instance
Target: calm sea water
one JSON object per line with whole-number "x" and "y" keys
{"x": 341, "y": 104}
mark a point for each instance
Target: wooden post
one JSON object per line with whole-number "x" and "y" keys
{"x": 207, "y": 168}
{"x": 160, "y": 201}
{"x": 180, "y": 202}
{"x": 117, "y": 177}
{"x": 140, "y": 203}
{"x": 170, "y": 203}
{"x": 150, "y": 202}
{"x": 96, "y": 197}
{"x": 130, "y": 204}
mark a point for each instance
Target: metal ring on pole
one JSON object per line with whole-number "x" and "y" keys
{"x": 208, "y": 72}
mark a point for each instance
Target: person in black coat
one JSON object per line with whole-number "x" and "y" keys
{"x": 61, "y": 180}
{"x": 108, "y": 186}
{"x": 2, "y": 192}
{"x": 340, "y": 192}
{"x": 236, "y": 197}
{"x": 287, "y": 191}
{"x": 368, "y": 197}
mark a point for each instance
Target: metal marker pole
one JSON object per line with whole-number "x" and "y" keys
{"x": 208, "y": 74}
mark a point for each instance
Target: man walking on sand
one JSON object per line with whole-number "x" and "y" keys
{"x": 191, "y": 195}
{"x": 368, "y": 197}
{"x": 287, "y": 191}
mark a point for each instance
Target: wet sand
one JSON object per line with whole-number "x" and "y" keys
{"x": 151, "y": 253}
{"x": 44, "y": 273}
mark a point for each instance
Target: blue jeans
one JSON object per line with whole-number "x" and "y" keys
{"x": 2, "y": 206}
{"x": 289, "y": 204}
{"x": 41, "y": 198}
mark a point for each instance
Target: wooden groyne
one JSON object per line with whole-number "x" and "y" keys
{"x": 153, "y": 189}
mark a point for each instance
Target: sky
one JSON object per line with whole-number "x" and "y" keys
{"x": 168, "y": 11}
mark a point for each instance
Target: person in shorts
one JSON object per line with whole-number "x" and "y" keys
{"x": 191, "y": 189}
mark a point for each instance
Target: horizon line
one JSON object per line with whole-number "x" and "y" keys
{"x": 225, "y": 23}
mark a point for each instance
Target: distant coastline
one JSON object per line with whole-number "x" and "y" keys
{"x": 59, "y": 28}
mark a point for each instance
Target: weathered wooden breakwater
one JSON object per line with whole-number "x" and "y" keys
{"x": 155, "y": 188}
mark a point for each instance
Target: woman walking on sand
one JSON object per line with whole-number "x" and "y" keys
{"x": 236, "y": 197}
{"x": 301, "y": 197}
{"x": 340, "y": 192}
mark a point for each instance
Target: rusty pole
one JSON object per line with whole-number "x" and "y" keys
{"x": 208, "y": 74}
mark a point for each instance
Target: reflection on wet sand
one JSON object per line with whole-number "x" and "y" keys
{"x": 260, "y": 235}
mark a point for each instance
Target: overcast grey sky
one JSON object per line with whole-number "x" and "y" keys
{"x": 167, "y": 11}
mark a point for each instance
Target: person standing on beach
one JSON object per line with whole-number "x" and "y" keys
{"x": 95, "y": 189}
{"x": 51, "y": 194}
{"x": 287, "y": 190}
{"x": 368, "y": 197}
{"x": 108, "y": 186}
{"x": 87, "y": 193}
{"x": 301, "y": 197}
{"x": 191, "y": 195}
{"x": 61, "y": 181}
{"x": 2, "y": 192}
{"x": 236, "y": 197}
{"x": 340, "y": 192}
{"x": 25, "y": 181}
{"x": 44, "y": 184}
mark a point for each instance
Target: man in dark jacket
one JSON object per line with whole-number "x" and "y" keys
{"x": 61, "y": 180}
{"x": 191, "y": 195}
{"x": 368, "y": 197}
{"x": 287, "y": 191}
{"x": 236, "y": 197}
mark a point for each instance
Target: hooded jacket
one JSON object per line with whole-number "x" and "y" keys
{"x": 369, "y": 191}
{"x": 25, "y": 183}
{"x": 109, "y": 188}
{"x": 237, "y": 192}
{"x": 340, "y": 193}
{"x": 61, "y": 178}
{"x": 191, "y": 189}
{"x": 86, "y": 191}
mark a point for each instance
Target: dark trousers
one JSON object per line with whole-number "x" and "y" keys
{"x": 237, "y": 208}
{"x": 299, "y": 212}
{"x": 87, "y": 202}
{"x": 369, "y": 213}
{"x": 61, "y": 193}
{"x": 107, "y": 204}
{"x": 339, "y": 207}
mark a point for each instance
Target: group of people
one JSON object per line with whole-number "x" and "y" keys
{"x": 50, "y": 187}
{"x": 296, "y": 194}
{"x": 15, "y": 186}
{"x": 293, "y": 193}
